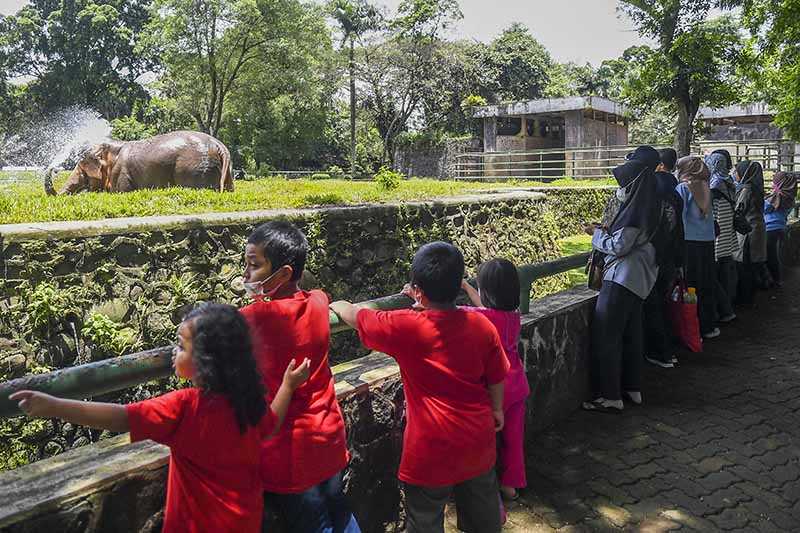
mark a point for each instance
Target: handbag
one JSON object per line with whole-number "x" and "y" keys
{"x": 683, "y": 315}
{"x": 740, "y": 222}
{"x": 595, "y": 269}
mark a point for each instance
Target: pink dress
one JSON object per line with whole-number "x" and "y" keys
{"x": 511, "y": 454}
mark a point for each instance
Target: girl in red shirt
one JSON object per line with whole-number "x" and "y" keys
{"x": 497, "y": 298}
{"x": 213, "y": 429}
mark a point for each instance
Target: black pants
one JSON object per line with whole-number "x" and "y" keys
{"x": 701, "y": 274}
{"x": 657, "y": 323}
{"x": 774, "y": 250}
{"x": 725, "y": 286}
{"x": 617, "y": 344}
{"x": 477, "y": 506}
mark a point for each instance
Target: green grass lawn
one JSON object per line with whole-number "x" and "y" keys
{"x": 575, "y": 244}
{"x": 24, "y": 200}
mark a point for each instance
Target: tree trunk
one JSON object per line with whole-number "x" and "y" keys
{"x": 352, "y": 67}
{"x": 687, "y": 111}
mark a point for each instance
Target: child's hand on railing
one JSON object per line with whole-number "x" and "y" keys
{"x": 32, "y": 403}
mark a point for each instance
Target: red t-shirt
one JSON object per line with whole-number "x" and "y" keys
{"x": 447, "y": 360}
{"x": 311, "y": 445}
{"x": 213, "y": 483}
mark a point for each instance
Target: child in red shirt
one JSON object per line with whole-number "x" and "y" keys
{"x": 497, "y": 298}
{"x": 453, "y": 367}
{"x": 213, "y": 429}
{"x": 303, "y": 466}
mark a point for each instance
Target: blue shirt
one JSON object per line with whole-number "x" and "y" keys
{"x": 696, "y": 227}
{"x": 775, "y": 220}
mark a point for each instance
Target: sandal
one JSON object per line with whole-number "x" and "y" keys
{"x": 602, "y": 405}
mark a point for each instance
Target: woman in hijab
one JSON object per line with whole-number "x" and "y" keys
{"x": 699, "y": 234}
{"x": 776, "y": 210}
{"x": 723, "y": 199}
{"x": 629, "y": 274}
{"x": 669, "y": 255}
{"x": 752, "y": 252}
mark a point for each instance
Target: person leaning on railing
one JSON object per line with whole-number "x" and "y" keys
{"x": 629, "y": 274}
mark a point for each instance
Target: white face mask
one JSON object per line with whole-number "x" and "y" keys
{"x": 255, "y": 289}
{"x": 623, "y": 192}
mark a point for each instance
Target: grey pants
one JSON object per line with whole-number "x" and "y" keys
{"x": 477, "y": 506}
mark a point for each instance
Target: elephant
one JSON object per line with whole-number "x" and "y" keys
{"x": 177, "y": 159}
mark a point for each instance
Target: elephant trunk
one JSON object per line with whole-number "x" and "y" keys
{"x": 48, "y": 182}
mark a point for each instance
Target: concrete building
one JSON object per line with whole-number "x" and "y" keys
{"x": 557, "y": 125}
{"x": 748, "y": 131}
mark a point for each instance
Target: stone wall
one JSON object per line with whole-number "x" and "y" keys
{"x": 433, "y": 159}
{"x": 76, "y": 292}
{"x": 116, "y": 487}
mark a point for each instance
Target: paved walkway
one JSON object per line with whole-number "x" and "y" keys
{"x": 716, "y": 447}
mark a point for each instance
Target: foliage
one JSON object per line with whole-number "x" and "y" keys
{"x": 397, "y": 72}
{"x": 776, "y": 57}
{"x": 695, "y": 62}
{"x": 473, "y": 100}
{"x": 27, "y": 202}
{"x": 110, "y": 337}
{"x": 47, "y": 307}
{"x": 130, "y": 129}
{"x": 79, "y": 52}
{"x": 320, "y": 176}
{"x": 335, "y": 172}
{"x": 518, "y": 65}
{"x": 388, "y": 179}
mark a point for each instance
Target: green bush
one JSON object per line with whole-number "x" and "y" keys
{"x": 320, "y": 176}
{"x": 388, "y": 179}
{"x": 335, "y": 172}
{"x": 111, "y": 338}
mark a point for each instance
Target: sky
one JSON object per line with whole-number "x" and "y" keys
{"x": 572, "y": 30}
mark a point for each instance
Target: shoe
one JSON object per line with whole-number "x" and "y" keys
{"x": 728, "y": 319}
{"x": 633, "y": 396}
{"x": 712, "y": 334}
{"x": 603, "y": 406}
{"x": 673, "y": 359}
{"x": 659, "y": 362}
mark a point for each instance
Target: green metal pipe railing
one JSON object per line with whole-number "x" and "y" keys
{"x": 118, "y": 373}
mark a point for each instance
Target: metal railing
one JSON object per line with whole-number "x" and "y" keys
{"x": 598, "y": 161}
{"x": 118, "y": 373}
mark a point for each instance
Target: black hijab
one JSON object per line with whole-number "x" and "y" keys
{"x": 642, "y": 206}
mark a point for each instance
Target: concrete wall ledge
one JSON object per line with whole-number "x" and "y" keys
{"x": 114, "y": 226}
{"x": 117, "y": 486}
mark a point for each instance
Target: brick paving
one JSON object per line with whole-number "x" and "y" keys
{"x": 715, "y": 447}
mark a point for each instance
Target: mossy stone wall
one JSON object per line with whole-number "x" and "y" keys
{"x": 77, "y": 292}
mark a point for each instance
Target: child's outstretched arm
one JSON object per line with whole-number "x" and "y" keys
{"x": 292, "y": 378}
{"x": 98, "y": 415}
{"x": 496, "y": 392}
{"x": 472, "y": 293}
{"x": 346, "y": 311}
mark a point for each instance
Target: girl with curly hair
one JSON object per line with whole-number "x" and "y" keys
{"x": 213, "y": 429}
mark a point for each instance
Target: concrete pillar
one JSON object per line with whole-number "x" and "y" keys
{"x": 490, "y": 134}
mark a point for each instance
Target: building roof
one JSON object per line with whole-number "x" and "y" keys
{"x": 758, "y": 109}
{"x": 551, "y": 105}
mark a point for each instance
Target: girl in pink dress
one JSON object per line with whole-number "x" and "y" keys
{"x": 497, "y": 298}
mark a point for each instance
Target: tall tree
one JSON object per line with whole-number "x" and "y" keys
{"x": 355, "y": 19}
{"x": 777, "y": 57}
{"x": 695, "y": 62}
{"x": 518, "y": 65}
{"x": 205, "y": 46}
{"x": 77, "y": 52}
{"x": 396, "y": 70}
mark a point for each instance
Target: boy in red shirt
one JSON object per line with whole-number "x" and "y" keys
{"x": 453, "y": 366}
{"x": 303, "y": 465}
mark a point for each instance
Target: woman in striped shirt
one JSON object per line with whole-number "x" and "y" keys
{"x": 723, "y": 194}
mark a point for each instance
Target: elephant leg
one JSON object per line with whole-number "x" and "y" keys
{"x": 124, "y": 183}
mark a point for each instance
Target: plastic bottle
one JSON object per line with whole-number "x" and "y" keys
{"x": 691, "y": 296}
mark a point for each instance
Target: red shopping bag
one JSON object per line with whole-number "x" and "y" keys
{"x": 685, "y": 322}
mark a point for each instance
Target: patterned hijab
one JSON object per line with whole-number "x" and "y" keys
{"x": 721, "y": 180}
{"x": 694, "y": 172}
{"x": 784, "y": 190}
